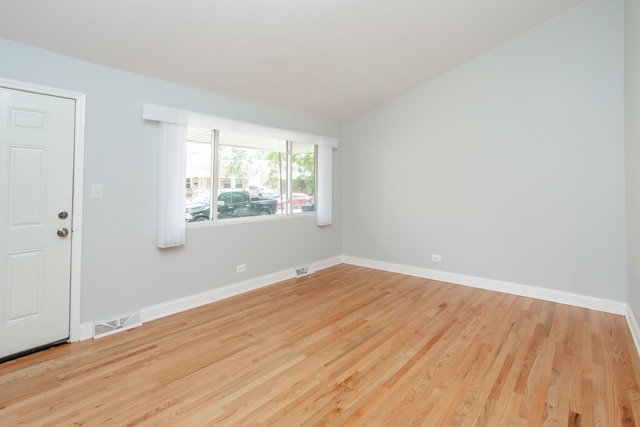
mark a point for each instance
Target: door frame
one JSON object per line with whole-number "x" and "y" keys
{"x": 75, "y": 332}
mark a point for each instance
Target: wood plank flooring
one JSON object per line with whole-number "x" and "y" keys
{"x": 346, "y": 346}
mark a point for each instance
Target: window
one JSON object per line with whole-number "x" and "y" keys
{"x": 293, "y": 168}
{"x": 250, "y": 175}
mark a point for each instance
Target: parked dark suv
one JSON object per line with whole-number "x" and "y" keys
{"x": 231, "y": 204}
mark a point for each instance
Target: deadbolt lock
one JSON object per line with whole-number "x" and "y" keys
{"x": 63, "y": 215}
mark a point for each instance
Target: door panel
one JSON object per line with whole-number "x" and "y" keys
{"x": 36, "y": 184}
{"x": 24, "y": 286}
{"x": 25, "y": 187}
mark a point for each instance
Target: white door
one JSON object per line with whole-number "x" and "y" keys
{"x": 36, "y": 191}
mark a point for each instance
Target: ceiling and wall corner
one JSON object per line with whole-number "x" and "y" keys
{"x": 333, "y": 59}
{"x": 509, "y": 167}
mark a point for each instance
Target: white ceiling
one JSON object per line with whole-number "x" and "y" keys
{"x": 330, "y": 58}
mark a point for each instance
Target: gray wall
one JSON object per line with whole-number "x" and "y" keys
{"x": 122, "y": 270}
{"x": 511, "y": 167}
{"x": 632, "y": 135}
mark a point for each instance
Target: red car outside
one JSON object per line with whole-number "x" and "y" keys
{"x": 299, "y": 200}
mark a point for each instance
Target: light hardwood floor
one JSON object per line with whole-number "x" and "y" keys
{"x": 346, "y": 346}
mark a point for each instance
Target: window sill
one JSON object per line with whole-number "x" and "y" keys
{"x": 249, "y": 219}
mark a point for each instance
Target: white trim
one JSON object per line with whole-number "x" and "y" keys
{"x": 633, "y": 327}
{"x": 182, "y": 117}
{"x": 192, "y": 301}
{"x": 178, "y": 305}
{"x": 608, "y": 306}
{"x": 76, "y": 235}
{"x": 75, "y": 332}
{"x": 326, "y": 263}
{"x": 86, "y": 331}
{"x": 181, "y": 304}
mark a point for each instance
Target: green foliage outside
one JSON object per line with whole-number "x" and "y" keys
{"x": 237, "y": 162}
{"x": 305, "y": 179}
{"x": 277, "y": 166}
{"x": 242, "y": 163}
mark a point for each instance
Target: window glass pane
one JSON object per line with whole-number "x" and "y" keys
{"x": 303, "y": 176}
{"x": 253, "y": 170}
{"x": 276, "y": 182}
{"x": 247, "y": 176}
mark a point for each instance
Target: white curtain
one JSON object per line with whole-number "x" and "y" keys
{"x": 323, "y": 188}
{"x": 171, "y": 184}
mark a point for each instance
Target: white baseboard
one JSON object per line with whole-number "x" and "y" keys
{"x": 633, "y": 326}
{"x": 86, "y": 331}
{"x": 181, "y": 304}
{"x": 326, "y": 263}
{"x": 167, "y": 308}
{"x": 192, "y": 301}
{"x": 607, "y": 306}
{"x": 569, "y": 298}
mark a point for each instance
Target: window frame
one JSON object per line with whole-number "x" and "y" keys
{"x": 325, "y": 146}
{"x": 289, "y": 184}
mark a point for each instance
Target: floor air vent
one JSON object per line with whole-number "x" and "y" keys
{"x": 303, "y": 271}
{"x": 116, "y": 325}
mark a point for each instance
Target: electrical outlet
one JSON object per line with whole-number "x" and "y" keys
{"x": 436, "y": 258}
{"x": 241, "y": 268}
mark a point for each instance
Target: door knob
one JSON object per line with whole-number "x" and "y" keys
{"x": 63, "y": 232}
